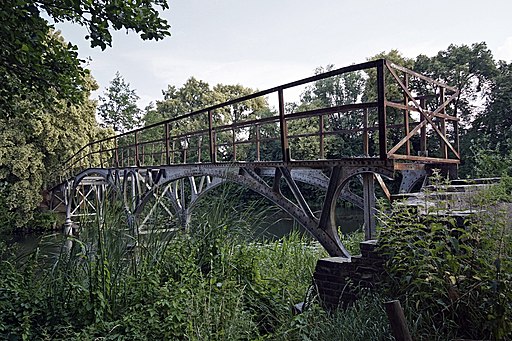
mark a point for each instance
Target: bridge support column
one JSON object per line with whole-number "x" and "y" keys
{"x": 369, "y": 206}
{"x": 68, "y": 227}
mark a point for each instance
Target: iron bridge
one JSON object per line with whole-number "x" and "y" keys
{"x": 405, "y": 123}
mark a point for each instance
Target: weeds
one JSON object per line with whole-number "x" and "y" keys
{"x": 211, "y": 281}
{"x": 455, "y": 281}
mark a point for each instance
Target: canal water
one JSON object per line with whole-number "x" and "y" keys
{"x": 274, "y": 226}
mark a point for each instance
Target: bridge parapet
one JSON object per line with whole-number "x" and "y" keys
{"x": 403, "y": 121}
{"x": 403, "y": 116}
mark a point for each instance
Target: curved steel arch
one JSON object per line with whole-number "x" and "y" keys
{"x": 145, "y": 182}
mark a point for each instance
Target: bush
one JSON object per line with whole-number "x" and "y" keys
{"x": 454, "y": 281}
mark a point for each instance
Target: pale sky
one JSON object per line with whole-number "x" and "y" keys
{"x": 265, "y": 43}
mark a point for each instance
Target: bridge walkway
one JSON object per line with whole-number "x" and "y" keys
{"x": 405, "y": 124}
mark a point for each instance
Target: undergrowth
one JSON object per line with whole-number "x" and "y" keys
{"x": 454, "y": 280}
{"x": 207, "y": 282}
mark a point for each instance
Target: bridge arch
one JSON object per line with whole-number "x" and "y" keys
{"x": 138, "y": 186}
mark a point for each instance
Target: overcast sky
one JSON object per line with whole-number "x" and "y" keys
{"x": 264, "y": 43}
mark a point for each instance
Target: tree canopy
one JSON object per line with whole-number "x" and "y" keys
{"x": 45, "y": 110}
{"x": 118, "y": 106}
{"x": 32, "y": 60}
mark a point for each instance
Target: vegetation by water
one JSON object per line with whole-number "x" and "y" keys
{"x": 454, "y": 281}
{"x": 211, "y": 283}
{"x": 206, "y": 283}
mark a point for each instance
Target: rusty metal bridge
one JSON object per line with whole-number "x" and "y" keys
{"x": 405, "y": 123}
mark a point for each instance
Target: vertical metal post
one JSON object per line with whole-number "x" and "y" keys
{"x": 173, "y": 150}
{"x": 142, "y": 153}
{"x": 406, "y": 115}
{"x": 199, "y": 149}
{"x": 423, "y": 132}
{"x": 89, "y": 156}
{"x": 369, "y": 206}
{"x": 257, "y": 127}
{"x": 116, "y": 153}
{"x": 381, "y": 107}
{"x": 213, "y": 153}
{"x": 444, "y": 147}
{"x": 366, "y": 141}
{"x": 233, "y": 142}
{"x": 136, "y": 137}
{"x": 321, "y": 133}
{"x": 456, "y": 132}
{"x": 285, "y": 149}
{"x": 184, "y": 150}
{"x": 167, "y": 147}
{"x": 101, "y": 154}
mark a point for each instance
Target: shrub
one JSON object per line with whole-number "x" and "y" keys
{"x": 455, "y": 281}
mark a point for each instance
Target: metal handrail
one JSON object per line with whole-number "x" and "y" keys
{"x": 106, "y": 152}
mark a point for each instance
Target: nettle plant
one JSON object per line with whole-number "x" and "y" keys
{"x": 455, "y": 279}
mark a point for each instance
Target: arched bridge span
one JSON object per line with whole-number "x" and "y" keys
{"x": 410, "y": 129}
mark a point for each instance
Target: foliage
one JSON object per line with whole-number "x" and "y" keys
{"x": 490, "y": 138}
{"x": 393, "y": 90}
{"x": 495, "y": 121}
{"x": 35, "y": 145}
{"x": 32, "y": 61}
{"x": 118, "y": 106}
{"x": 195, "y": 95}
{"x": 333, "y": 91}
{"x": 488, "y": 159}
{"x": 44, "y": 90}
{"x": 455, "y": 280}
{"x": 468, "y": 68}
{"x": 365, "y": 320}
{"x": 209, "y": 282}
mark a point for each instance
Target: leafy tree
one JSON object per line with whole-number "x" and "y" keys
{"x": 195, "y": 95}
{"x": 34, "y": 148}
{"x": 471, "y": 69}
{"x": 488, "y": 141}
{"x": 495, "y": 121}
{"x": 337, "y": 90}
{"x": 393, "y": 90}
{"x": 32, "y": 60}
{"x": 118, "y": 106}
{"x": 45, "y": 111}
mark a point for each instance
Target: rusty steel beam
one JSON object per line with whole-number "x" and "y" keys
{"x": 381, "y": 107}
{"x": 285, "y": 149}
{"x": 427, "y": 117}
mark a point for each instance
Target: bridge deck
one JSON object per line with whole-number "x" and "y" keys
{"x": 404, "y": 122}
{"x": 408, "y": 118}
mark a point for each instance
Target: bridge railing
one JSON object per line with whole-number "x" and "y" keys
{"x": 401, "y": 115}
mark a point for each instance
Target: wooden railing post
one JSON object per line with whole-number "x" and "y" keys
{"x": 397, "y": 321}
{"x": 285, "y": 149}
{"x": 381, "y": 107}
